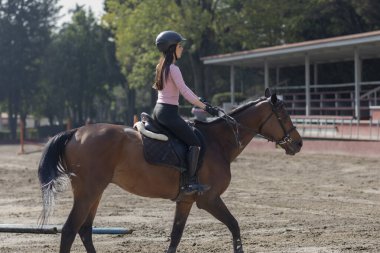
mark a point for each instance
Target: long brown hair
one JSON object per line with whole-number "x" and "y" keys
{"x": 163, "y": 67}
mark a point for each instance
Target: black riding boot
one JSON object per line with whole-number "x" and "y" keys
{"x": 192, "y": 185}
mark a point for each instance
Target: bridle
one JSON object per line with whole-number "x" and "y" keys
{"x": 285, "y": 140}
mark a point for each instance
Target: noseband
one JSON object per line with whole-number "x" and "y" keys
{"x": 285, "y": 140}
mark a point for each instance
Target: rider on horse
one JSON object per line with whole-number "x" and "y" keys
{"x": 169, "y": 83}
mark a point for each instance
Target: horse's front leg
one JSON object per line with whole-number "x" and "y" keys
{"x": 181, "y": 213}
{"x": 219, "y": 210}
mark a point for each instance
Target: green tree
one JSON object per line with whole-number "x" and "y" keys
{"x": 79, "y": 70}
{"x": 25, "y": 27}
{"x": 369, "y": 11}
{"x": 318, "y": 19}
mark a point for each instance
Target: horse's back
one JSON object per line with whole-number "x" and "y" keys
{"x": 99, "y": 132}
{"x": 95, "y": 147}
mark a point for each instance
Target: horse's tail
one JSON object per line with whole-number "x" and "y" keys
{"x": 52, "y": 173}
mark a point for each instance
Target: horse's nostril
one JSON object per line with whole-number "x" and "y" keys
{"x": 300, "y": 143}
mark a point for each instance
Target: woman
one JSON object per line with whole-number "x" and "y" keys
{"x": 169, "y": 83}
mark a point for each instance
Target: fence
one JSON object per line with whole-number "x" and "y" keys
{"x": 337, "y": 127}
{"x": 331, "y": 99}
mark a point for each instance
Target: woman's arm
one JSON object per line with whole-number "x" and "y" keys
{"x": 186, "y": 92}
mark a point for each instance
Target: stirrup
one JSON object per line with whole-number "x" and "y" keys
{"x": 190, "y": 189}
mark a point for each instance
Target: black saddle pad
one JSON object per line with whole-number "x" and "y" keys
{"x": 171, "y": 153}
{"x": 164, "y": 153}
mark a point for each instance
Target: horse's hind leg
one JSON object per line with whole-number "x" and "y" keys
{"x": 77, "y": 216}
{"x": 85, "y": 232}
{"x": 85, "y": 199}
{"x": 219, "y": 210}
{"x": 181, "y": 213}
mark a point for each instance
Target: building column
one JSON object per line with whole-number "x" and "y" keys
{"x": 358, "y": 79}
{"x": 277, "y": 76}
{"x": 266, "y": 74}
{"x": 307, "y": 84}
{"x": 232, "y": 84}
{"x": 315, "y": 81}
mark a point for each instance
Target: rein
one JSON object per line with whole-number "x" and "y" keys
{"x": 234, "y": 126}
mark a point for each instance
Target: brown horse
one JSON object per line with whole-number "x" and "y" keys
{"x": 93, "y": 156}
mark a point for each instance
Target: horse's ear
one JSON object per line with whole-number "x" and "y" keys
{"x": 267, "y": 93}
{"x": 274, "y": 98}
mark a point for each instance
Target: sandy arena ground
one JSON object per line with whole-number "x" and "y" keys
{"x": 306, "y": 203}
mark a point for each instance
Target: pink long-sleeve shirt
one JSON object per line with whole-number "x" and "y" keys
{"x": 173, "y": 86}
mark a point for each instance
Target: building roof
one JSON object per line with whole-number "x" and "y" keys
{"x": 334, "y": 49}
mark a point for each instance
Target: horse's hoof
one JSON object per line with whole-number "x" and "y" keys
{"x": 171, "y": 250}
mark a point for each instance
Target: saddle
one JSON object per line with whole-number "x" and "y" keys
{"x": 161, "y": 147}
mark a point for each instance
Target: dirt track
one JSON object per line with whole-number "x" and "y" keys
{"x": 305, "y": 203}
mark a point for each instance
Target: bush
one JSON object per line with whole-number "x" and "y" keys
{"x": 48, "y": 131}
{"x": 31, "y": 133}
{"x": 5, "y": 136}
{"x": 225, "y": 97}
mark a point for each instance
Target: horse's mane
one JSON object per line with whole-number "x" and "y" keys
{"x": 233, "y": 112}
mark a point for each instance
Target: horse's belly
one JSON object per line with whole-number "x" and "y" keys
{"x": 148, "y": 181}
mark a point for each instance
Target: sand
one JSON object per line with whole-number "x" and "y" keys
{"x": 305, "y": 203}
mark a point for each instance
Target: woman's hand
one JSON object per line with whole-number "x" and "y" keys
{"x": 203, "y": 104}
{"x": 214, "y": 111}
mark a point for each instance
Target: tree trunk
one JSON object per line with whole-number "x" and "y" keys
{"x": 131, "y": 103}
{"x": 206, "y": 82}
{"x": 12, "y": 115}
{"x": 197, "y": 68}
{"x": 153, "y": 99}
{"x": 23, "y": 124}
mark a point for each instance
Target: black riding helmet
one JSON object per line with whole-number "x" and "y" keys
{"x": 168, "y": 38}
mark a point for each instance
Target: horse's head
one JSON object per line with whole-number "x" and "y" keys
{"x": 277, "y": 126}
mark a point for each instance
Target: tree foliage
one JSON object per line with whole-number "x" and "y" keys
{"x": 25, "y": 28}
{"x": 79, "y": 69}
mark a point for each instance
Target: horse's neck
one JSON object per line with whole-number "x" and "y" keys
{"x": 248, "y": 125}
{"x": 232, "y": 142}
